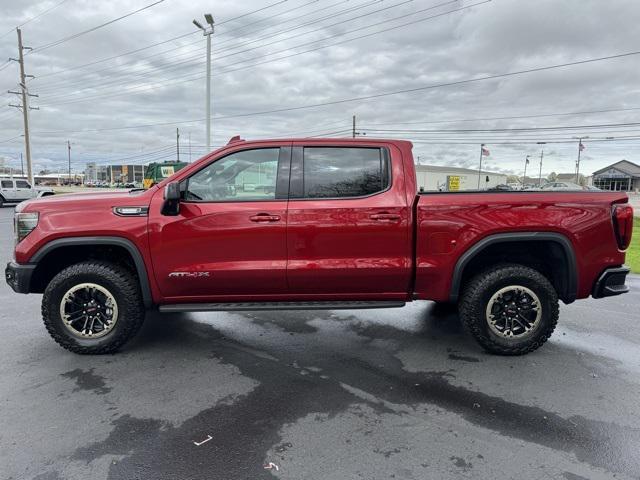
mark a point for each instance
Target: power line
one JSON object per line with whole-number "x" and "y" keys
{"x": 520, "y": 129}
{"x": 250, "y": 13}
{"x": 123, "y": 73}
{"x": 515, "y": 117}
{"x": 93, "y": 29}
{"x": 193, "y": 77}
{"x": 434, "y": 86}
{"x": 34, "y": 18}
{"x": 315, "y": 41}
{"x": 172, "y": 65}
{"x": 147, "y": 47}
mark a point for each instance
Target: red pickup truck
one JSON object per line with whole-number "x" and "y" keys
{"x": 316, "y": 224}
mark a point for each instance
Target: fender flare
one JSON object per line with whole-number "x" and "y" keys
{"x": 572, "y": 275}
{"x": 115, "y": 241}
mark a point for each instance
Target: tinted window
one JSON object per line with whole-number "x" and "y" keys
{"x": 246, "y": 175}
{"x": 344, "y": 172}
{"x": 22, "y": 184}
{"x": 6, "y": 184}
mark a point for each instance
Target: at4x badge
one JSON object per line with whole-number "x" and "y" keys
{"x": 188, "y": 274}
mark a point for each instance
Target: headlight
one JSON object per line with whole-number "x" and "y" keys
{"x": 23, "y": 224}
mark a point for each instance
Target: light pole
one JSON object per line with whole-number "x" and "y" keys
{"x": 207, "y": 32}
{"x": 541, "y": 156}
{"x": 524, "y": 177}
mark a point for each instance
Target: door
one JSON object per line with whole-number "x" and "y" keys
{"x": 229, "y": 240}
{"x": 348, "y": 225}
{"x": 23, "y": 190}
{"x": 8, "y": 190}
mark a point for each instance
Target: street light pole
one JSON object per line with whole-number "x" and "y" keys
{"x": 207, "y": 32}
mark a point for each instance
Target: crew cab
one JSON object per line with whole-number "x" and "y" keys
{"x": 16, "y": 190}
{"x": 316, "y": 224}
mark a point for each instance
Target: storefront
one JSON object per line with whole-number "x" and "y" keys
{"x": 621, "y": 176}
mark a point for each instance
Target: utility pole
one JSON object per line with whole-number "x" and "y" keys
{"x": 21, "y": 165}
{"x": 580, "y": 148}
{"x": 541, "y": 156}
{"x": 25, "y": 103}
{"x": 207, "y": 32}
{"x": 69, "y": 154}
{"x": 178, "y": 143}
{"x": 353, "y": 129}
{"x": 540, "y": 173}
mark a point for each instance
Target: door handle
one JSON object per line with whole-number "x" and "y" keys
{"x": 384, "y": 216}
{"x": 264, "y": 217}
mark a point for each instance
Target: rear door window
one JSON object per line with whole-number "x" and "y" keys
{"x": 6, "y": 184}
{"x": 344, "y": 172}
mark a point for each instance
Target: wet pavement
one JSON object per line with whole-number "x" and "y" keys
{"x": 373, "y": 394}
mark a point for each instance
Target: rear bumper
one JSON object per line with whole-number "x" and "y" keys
{"x": 611, "y": 282}
{"x": 18, "y": 276}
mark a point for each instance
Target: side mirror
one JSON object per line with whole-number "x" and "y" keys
{"x": 171, "y": 205}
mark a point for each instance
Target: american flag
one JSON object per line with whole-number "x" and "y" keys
{"x": 581, "y": 146}
{"x": 485, "y": 151}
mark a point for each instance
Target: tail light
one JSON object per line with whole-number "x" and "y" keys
{"x": 623, "y": 224}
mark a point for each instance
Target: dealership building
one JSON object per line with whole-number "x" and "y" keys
{"x": 621, "y": 176}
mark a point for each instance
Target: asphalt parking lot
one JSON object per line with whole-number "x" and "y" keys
{"x": 374, "y": 394}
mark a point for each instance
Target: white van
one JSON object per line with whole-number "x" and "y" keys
{"x": 16, "y": 190}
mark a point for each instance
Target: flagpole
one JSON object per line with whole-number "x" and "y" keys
{"x": 480, "y": 167}
{"x": 580, "y": 147}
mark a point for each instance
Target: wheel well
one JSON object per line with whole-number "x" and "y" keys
{"x": 549, "y": 257}
{"x": 62, "y": 257}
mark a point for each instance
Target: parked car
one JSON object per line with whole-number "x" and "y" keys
{"x": 501, "y": 188}
{"x": 16, "y": 190}
{"x": 562, "y": 186}
{"x": 343, "y": 227}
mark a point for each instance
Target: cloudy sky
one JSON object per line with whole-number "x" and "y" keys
{"x": 117, "y": 93}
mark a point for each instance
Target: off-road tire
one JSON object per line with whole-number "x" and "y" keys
{"x": 477, "y": 294}
{"x": 119, "y": 281}
{"x": 1, "y": 201}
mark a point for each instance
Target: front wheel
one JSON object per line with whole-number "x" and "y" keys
{"x": 93, "y": 307}
{"x": 509, "y": 309}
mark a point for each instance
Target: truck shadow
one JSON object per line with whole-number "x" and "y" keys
{"x": 434, "y": 327}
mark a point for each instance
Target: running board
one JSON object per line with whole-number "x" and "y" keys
{"x": 244, "y": 306}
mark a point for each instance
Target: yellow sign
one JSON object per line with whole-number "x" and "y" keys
{"x": 453, "y": 183}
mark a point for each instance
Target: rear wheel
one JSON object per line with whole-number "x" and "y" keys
{"x": 509, "y": 309}
{"x": 93, "y": 307}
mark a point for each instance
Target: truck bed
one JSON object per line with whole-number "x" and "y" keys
{"x": 449, "y": 224}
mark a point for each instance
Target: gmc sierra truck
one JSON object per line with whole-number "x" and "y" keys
{"x": 315, "y": 224}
